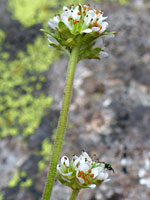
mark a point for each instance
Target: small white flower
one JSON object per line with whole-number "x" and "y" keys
{"x": 83, "y": 167}
{"x": 86, "y": 157}
{"x": 82, "y": 171}
{"x": 52, "y": 39}
{"x": 81, "y": 180}
{"x": 65, "y": 161}
{"x": 65, "y": 9}
{"x": 89, "y": 20}
{"x": 65, "y": 16}
{"x": 78, "y": 24}
{"x": 53, "y": 23}
{"x": 88, "y": 17}
{"x": 102, "y": 176}
{"x": 104, "y": 27}
{"x": 76, "y": 14}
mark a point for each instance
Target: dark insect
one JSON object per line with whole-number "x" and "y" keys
{"x": 109, "y": 167}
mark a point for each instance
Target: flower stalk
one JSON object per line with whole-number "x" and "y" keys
{"x": 79, "y": 33}
{"x": 74, "y": 194}
{"x": 61, "y": 123}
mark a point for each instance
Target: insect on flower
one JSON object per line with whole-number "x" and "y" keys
{"x": 82, "y": 172}
{"x": 108, "y": 166}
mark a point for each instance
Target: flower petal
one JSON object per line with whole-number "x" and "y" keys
{"x": 104, "y": 26}
{"x": 106, "y": 180}
{"x": 75, "y": 14}
{"x": 92, "y": 186}
{"x": 52, "y": 40}
{"x": 53, "y": 23}
{"x": 108, "y": 36}
{"x": 99, "y": 43}
{"x": 88, "y": 30}
{"x": 64, "y": 19}
{"x": 102, "y": 176}
{"x": 84, "y": 167}
{"x": 65, "y": 179}
{"x": 50, "y": 46}
{"x": 87, "y": 19}
{"x": 95, "y": 29}
{"x": 103, "y": 54}
{"x": 59, "y": 168}
{"x": 86, "y": 156}
{"x": 95, "y": 171}
{"x": 65, "y": 161}
{"x": 81, "y": 180}
{"x": 67, "y": 174}
{"x": 65, "y": 8}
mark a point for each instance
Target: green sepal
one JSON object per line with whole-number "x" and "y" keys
{"x": 53, "y": 45}
{"x": 90, "y": 53}
{"x": 48, "y": 33}
{"x": 108, "y": 33}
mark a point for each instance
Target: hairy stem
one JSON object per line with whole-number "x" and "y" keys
{"x": 61, "y": 124}
{"x": 74, "y": 194}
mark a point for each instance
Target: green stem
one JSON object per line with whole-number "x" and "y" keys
{"x": 74, "y": 194}
{"x": 61, "y": 124}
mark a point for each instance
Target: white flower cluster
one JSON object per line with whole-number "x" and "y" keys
{"x": 81, "y": 19}
{"x": 79, "y": 26}
{"x": 81, "y": 172}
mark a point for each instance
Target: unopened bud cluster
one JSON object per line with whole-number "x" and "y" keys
{"x": 78, "y": 25}
{"x": 81, "y": 172}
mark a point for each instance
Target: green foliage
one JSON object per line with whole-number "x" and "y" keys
{"x": 15, "y": 179}
{"x": 45, "y": 152}
{"x": 22, "y": 104}
{"x": 124, "y": 2}
{"x": 2, "y": 36}
{"x": 38, "y": 11}
{"x": 26, "y": 183}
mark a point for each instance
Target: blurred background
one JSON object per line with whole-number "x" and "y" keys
{"x": 110, "y": 109}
